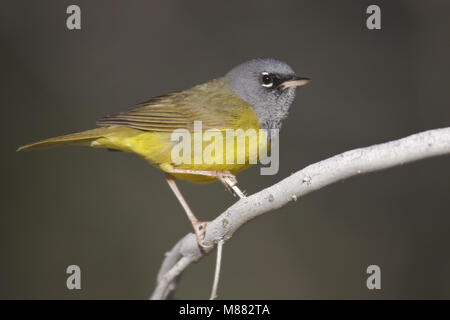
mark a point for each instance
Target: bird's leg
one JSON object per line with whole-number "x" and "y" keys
{"x": 228, "y": 179}
{"x": 230, "y": 182}
{"x": 199, "y": 226}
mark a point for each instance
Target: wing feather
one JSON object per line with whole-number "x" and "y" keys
{"x": 213, "y": 103}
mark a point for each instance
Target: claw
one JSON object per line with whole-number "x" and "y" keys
{"x": 200, "y": 231}
{"x": 230, "y": 182}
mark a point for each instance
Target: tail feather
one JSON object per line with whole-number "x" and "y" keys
{"x": 80, "y": 138}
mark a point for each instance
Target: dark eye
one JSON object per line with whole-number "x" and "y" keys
{"x": 267, "y": 80}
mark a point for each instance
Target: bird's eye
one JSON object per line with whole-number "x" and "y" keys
{"x": 267, "y": 80}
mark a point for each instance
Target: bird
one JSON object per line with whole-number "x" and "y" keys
{"x": 255, "y": 95}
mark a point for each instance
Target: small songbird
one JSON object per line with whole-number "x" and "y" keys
{"x": 254, "y": 95}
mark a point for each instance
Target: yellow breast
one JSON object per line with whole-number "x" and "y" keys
{"x": 227, "y": 149}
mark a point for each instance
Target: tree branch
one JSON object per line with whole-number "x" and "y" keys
{"x": 217, "y": 272}
{"x": 314, "y": 177}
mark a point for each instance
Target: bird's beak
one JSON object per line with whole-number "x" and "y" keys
{"x": 295, "y": 82}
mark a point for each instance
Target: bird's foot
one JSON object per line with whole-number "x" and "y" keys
{"x": 230, "y": 182}
{"x": 200, "y": 232}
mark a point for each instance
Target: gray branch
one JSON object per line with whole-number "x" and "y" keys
{"x": 314, "y": 177}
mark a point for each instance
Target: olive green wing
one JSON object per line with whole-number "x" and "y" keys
{"x": 213, "y": 103}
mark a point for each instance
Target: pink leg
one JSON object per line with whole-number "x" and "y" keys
{"x": 199, "y": 226}
{"x": 228, "y": 179}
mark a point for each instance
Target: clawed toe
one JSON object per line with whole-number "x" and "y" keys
{"x": 200, "y": 232}
{"x": 230, "y": 182}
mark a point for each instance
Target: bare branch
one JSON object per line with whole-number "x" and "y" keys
{"x": 217, "y": 272}
{"x": 314, "y": 177}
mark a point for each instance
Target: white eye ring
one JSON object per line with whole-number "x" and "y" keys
{"x": 269, "y": 84}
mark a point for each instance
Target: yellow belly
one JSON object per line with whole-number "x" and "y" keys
{"x": 232, "y": 154}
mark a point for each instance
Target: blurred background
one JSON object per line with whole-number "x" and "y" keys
{"x": 114, "y": 215}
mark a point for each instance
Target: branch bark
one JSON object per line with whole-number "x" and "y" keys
{"x": 314, "y": 177}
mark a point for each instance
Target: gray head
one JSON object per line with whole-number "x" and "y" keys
{"x": 269, "y": 86}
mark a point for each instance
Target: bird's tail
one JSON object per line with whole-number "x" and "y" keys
{"x": 80, "y": 138}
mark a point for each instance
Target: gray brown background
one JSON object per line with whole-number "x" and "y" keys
{"x": 114, "y": 216}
